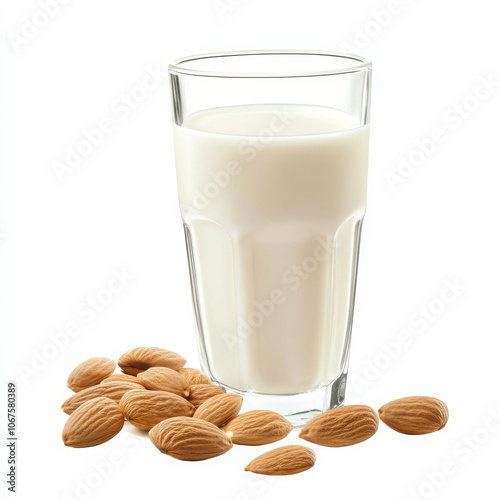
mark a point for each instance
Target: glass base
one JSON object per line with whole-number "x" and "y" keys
{"x": 298, "y": 409}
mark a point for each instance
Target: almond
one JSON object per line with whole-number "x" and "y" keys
{"x": 164, "y": 379}
{"x": 220, "y": 409}
{"x": 145, "y": 409}
{"x": 113, "y": 390}
{"x": 199, "y": 393}
{"x": 93, "y": 423}
{"x": 194, "y": 376}
{"x": 187, "y": 438}
{"x": 283, "y": 461}
{"x": 342, "y": 426}
{"x": 141, "y": 358}
{"x": 121, "y": 377}
{"x": 258, "y": 427}
{"x": 415, "y": 415}
{"x": 90, "y": 372}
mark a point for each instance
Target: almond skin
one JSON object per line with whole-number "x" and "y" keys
{"x": 121, "y": 377}
{"x": 187, "y": 438}
{"x": 415, "y": 415}
{"x": 258, "y": 427}
{"x": 113, "y": 390}
{"x": 199, "y": 393}
{"x": 141, "y": 358}
{"x": 194, "y": 376}
{"x": 93, "y": 423}
{"x": 145, "y": 409}
{"x": 220, "y": 409}
{"x": 342, "y": 426}
{"x": 164, "y": 379}
{"x": 283, "y": 461}
{"x": 90, "y": 372}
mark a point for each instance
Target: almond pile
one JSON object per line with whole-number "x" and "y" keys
{"x": 189, "y": 418}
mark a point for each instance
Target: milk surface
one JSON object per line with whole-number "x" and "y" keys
{"x": 272, "y": 198}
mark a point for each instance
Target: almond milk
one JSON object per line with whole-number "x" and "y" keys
{"x": 272, "y": 198}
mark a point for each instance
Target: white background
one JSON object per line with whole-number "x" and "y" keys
{"x": 118, "y": 210}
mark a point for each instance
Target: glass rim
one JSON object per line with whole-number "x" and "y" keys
{"x": 360, "y": 64}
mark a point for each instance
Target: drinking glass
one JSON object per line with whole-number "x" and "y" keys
{"x": 271, "y": 151}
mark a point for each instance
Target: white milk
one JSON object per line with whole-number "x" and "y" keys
{"x": 273, "y": 197}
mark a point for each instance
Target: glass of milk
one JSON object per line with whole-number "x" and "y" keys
{"x": 271, "y": 151}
